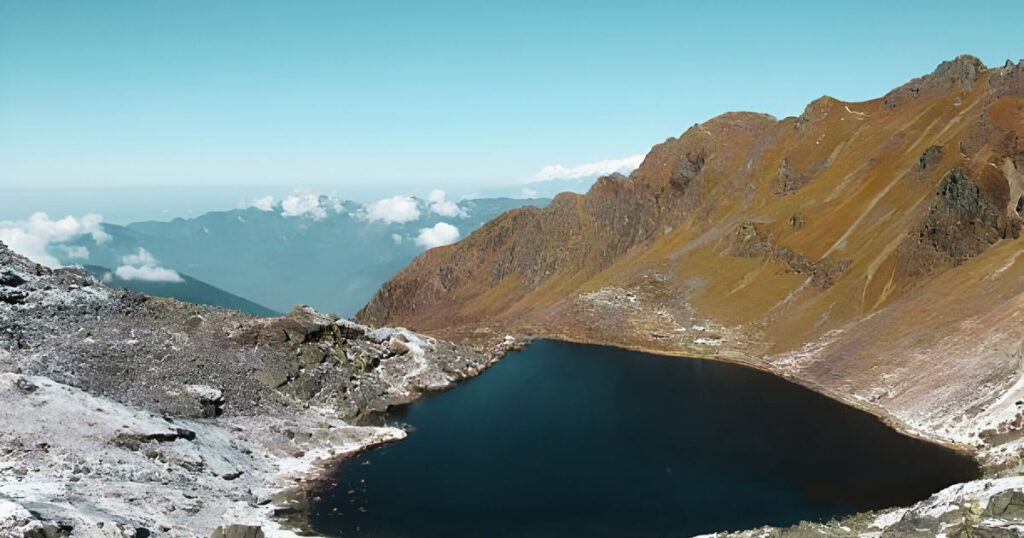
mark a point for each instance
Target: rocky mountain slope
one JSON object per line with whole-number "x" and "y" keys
{"x": 128, "y": 415}
{"x": 870, "y": 250}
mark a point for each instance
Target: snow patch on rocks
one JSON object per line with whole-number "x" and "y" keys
{"x": 86, "y": 462}
{"x": 984, "y": 507}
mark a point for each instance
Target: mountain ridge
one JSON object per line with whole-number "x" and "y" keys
{"x": 840, "y": 247}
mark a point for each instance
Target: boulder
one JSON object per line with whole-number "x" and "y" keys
{"x": 211, "y": 400}
{"x": 237, "y": 531}
{"x": 398, "y": 347}
{"x": 1006, "y": 505}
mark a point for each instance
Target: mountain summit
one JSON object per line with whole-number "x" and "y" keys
{"x": 869, "y": 250}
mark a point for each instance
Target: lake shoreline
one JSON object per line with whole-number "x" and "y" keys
{"x": 757, "y": 364}
{"x": 320, "y": 479}
{"x": 328, "y": 472}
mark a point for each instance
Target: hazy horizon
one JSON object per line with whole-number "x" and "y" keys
{"x": 123, "y": 204}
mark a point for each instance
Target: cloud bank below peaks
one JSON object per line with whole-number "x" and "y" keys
{"x": 399, "y": 209}
{"x": 304, "y": 204}
{"x": 143, "y": 266}
{"x": 33, "y": 238}
{"x": 314, "y": 206}
{"x": 264, "y": 204}
{"x": 403, "y": 209}
{"x": 446, "y": 208}
{"x": 599, "y": 168}
{"x": 437, "y": 235}
{"x": 394, "y": 210}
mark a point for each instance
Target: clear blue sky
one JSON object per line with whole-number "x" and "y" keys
{"x": 430, "y": 94}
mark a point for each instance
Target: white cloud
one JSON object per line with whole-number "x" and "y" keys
{"x": 141, "y": 257}
{"x": 143, "y": 266}
{"x": 397, "y": 209}
{"x": 31, "y": 246}
{"x": 440, "y": 234}
{"x": 303, "y": 204}
{"x": 74, "y": 253}
{"x": 530, "y": 193}
{"x": 600, "y": 168}
{"x": 336, "y": 205}
{"x": 446, "y": 208}
{"x": 397, "y": 238}
{"x": 147, "y": 273}
{"x": 264, "y": 204}
{"x": 33, "y": 237}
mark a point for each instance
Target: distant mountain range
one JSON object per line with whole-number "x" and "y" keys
{"x": 189, "y": 290}
{"x": 547, "y": 188}
{"x": 328, "y": 253}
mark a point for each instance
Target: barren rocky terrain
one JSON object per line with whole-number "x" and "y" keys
{"x": 128, "y": 415}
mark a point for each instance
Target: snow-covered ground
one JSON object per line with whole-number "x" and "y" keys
{"x": 102, "y": 468}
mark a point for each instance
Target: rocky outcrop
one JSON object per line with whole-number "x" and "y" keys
{"x": 128, "y": 415}
{"x": 749, "y": 242}
{"x": 992, "y": 508}
{"x": 959, "y": 74}
{"x": 963, "y": 222}
{"x": 788, "y": 180}
{"x": 929, "y": 159}
{"x": 72, "y": 329}
{"x": 237, "y": 531}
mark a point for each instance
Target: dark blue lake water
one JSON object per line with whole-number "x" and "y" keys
{"x": 567, "y": 440}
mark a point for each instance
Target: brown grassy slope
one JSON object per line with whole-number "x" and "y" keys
{"x": 847, "y": 247}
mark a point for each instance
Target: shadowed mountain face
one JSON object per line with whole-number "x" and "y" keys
{"x": 333, "y": 259}
{"x": 188, "y": 290}
{"x": 869, "y": 249}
